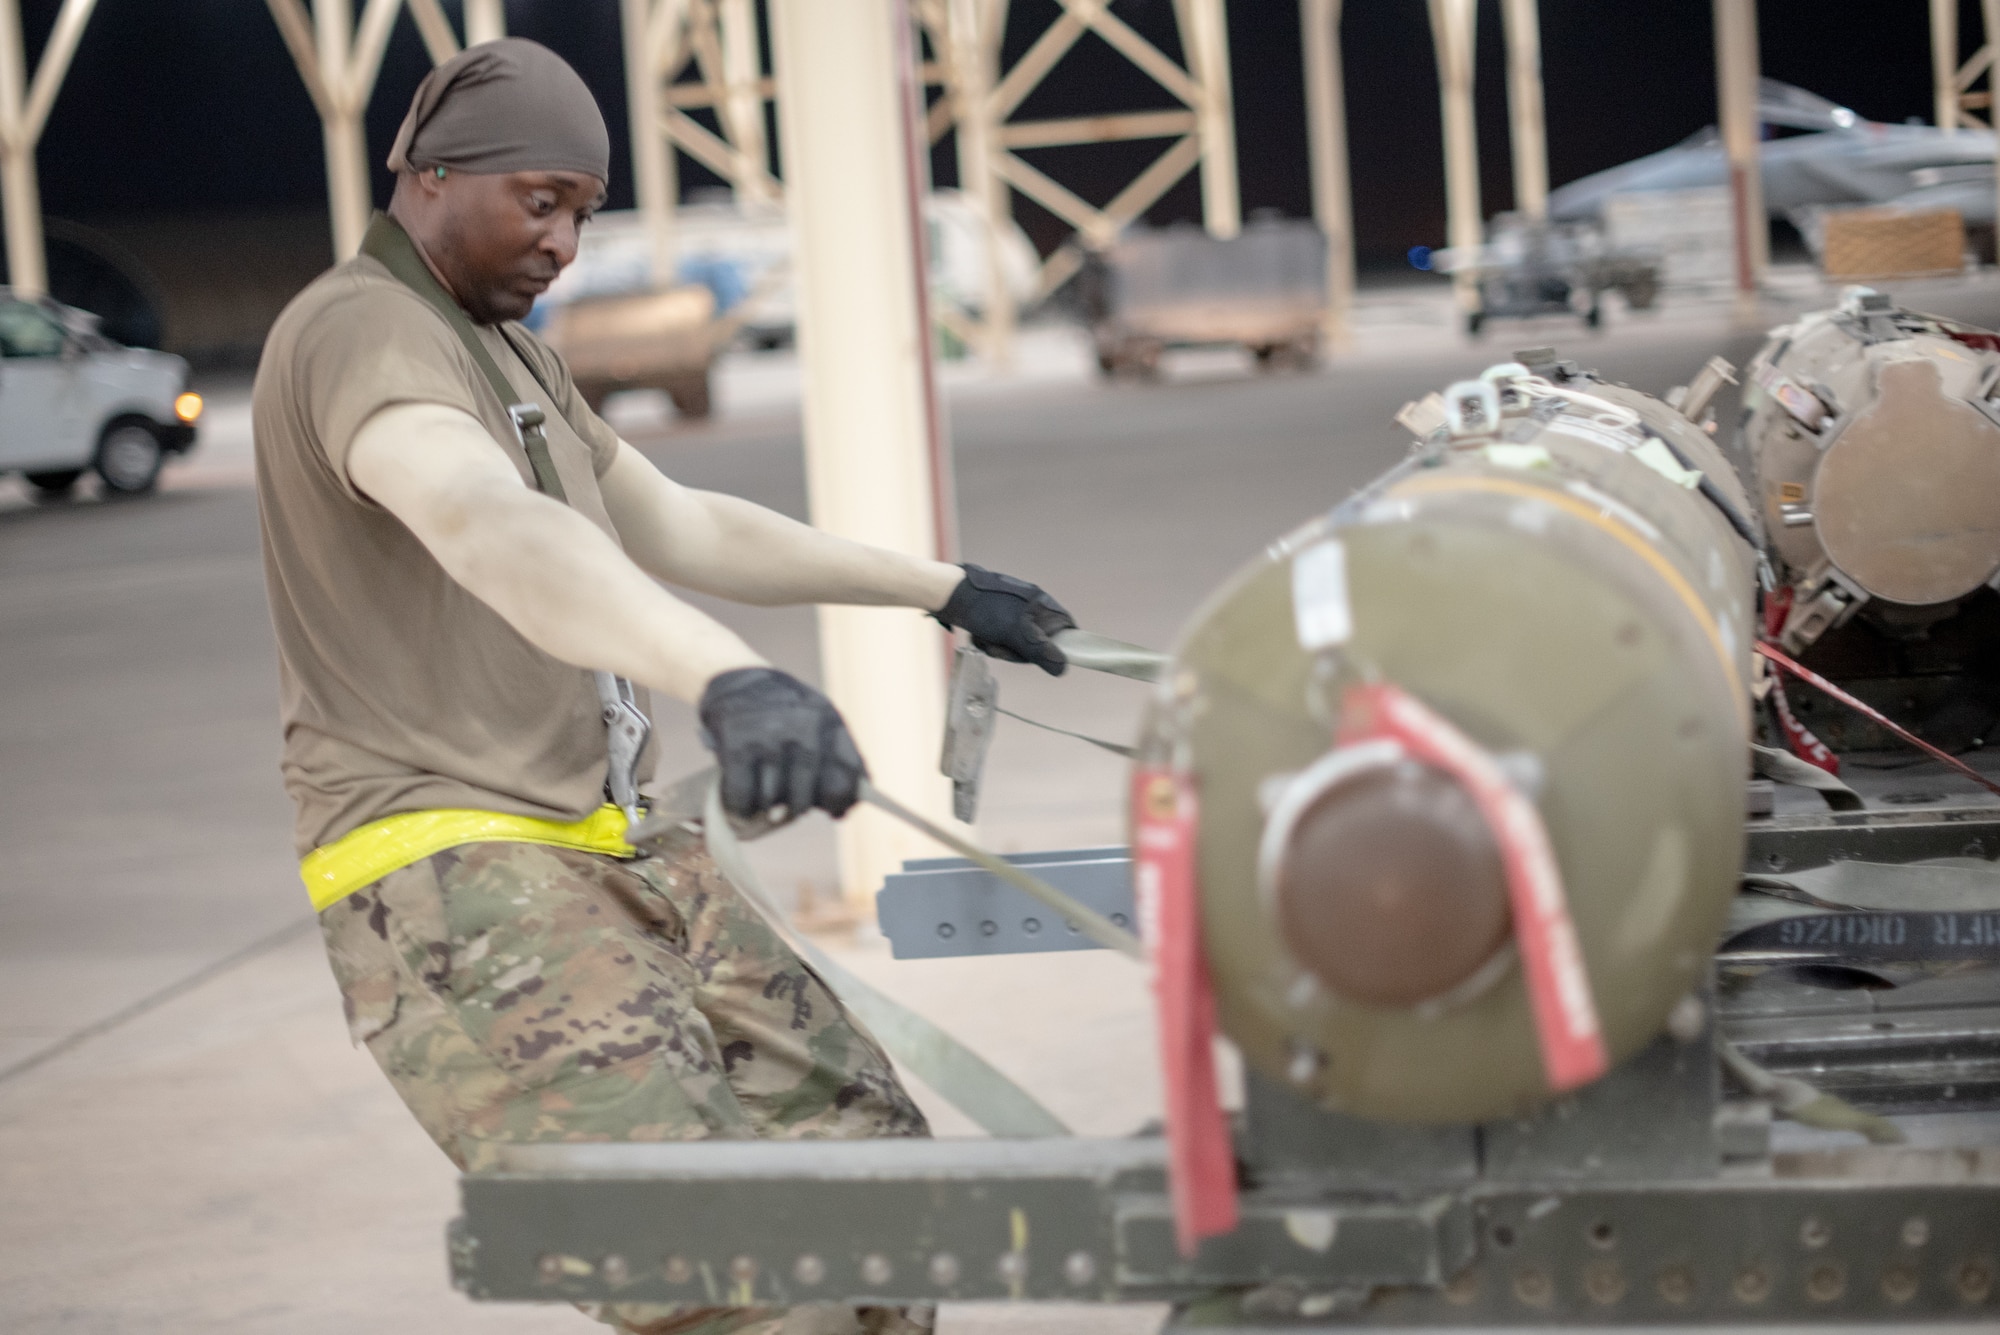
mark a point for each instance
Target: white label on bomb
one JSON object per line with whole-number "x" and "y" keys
{"x": 1320, "y": 606}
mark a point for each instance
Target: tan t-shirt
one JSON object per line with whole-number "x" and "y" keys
{"x": 400, "y": 691}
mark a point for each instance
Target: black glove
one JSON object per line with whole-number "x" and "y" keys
{"x": 1007, "y": 618}
{"x": 779, "y": 742}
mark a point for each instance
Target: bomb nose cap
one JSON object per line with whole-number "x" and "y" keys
{"x": 1386, "y": 881}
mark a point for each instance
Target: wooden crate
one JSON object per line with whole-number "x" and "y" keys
{"x": 1892, "y": 243}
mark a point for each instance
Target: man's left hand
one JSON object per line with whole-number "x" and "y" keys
{"x": 779, "y": 743}
{"x": 1008, "y": 618}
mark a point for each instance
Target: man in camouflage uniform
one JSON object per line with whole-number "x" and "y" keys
{"x": 451, "y": 538}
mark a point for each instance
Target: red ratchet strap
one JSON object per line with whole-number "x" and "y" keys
{"x": 1201, "y": 1158}
{"x": 1777, "y": 606}
{"x": 1972, "y": 338}
{"x": 1566, "y": 1027}
{"x": 1872, "y": 714}
{"x": 1803, "y": 741}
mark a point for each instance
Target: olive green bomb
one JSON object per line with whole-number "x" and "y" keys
{"x": 1560, "y": 573}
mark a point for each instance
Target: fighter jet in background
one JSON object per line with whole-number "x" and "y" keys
{"x": 1818, "y": 155}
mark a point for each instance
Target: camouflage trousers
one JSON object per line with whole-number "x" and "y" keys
{"x": 518, "y": 992}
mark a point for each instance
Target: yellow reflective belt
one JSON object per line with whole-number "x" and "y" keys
{"x": 364, "y": 856}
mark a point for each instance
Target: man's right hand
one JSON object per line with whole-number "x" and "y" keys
{"x": 779, "y": 743}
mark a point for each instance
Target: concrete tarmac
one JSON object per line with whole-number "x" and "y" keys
{"x": 187, "y": 1142}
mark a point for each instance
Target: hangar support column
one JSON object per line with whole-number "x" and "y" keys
{"x": 24, "y": 110}
{"x": 1200, "y": 133}
{"x": 1527, "y": 122}
{"x": 1944, "y": 63}
{"x": 1326, "y": 141}
{"x": 1454, "y": 32}
{"x": 650, "y": 26}
{"x": 1204, "y": 26}
{"x": 743, "y": 109}
{"x": 1736, "y": 71}
{"x": 1956, "y": 103}
{"x": 485, "y": 21}
{"x": 974, "y": 29}
{"x": 338, "y": 62}
{"x": 1990, "y": 11}
{"x": 872, "y": 465}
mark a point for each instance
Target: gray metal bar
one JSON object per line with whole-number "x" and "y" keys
{"x": 940, "y": 908}
{"x": 832, "y": 1160}
{"x": 915, "y": 1221}
{"x": 1793, "y": 843}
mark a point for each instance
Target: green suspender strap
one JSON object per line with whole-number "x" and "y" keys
{"x": 387, "y": 242}
{"x": 627, "y": 725}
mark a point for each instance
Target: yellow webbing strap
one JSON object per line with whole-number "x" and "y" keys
{"x": 364, "y": 856}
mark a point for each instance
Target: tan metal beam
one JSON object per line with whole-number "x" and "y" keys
{"x": 648, "y": 28}
{"x": 714, "y": 152}
{"x": 24, "y": 110}
{"x": 1205, "y": 35}
{"x": 1099, "y": 129}
{"x": 863, "y": 346}
{"x": 1129, "y": 44}
{"x": 341, "y": 130}
{"x": 1736, "y": 67}
{"x": 338, "y": 64}
{"x": 1968, "y": 102}
{"x": 440, "y": 42}
{"x": 1454, "y": 33}
{"x": 53, "y": 67}
{"x": 371, "y": 39}
{"x": 939, "y": 120}
{"x": 1989, "y": 10}
{"x": 1944, "y": 63}
{"x": 704, "y": 43}
{"x": 1204, "y": 132}
{"x": 295, "y": 27}
{"x": 972, "y": 44}
{"x": 743, "y": 105}
{"x": 1973, "y": 69}
{"x": 721, "y": 38}
{"x": 1526, "y": 121}
{"x": 1326, "y": 137}
{"x": 688, "y": 96}
{"x": 485, "y": 21}
{"x": 1147, "y": 187}
{"x": 1056, "y": 197}
{"x": 1035, "y": 63}
{"x": 1061, "y": 266}
{"x": 666, "y": 35}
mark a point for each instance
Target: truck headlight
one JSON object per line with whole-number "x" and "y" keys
{"x": 187, "y": 406}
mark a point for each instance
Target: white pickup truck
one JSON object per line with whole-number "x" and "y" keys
{"x": 71, "y": 399}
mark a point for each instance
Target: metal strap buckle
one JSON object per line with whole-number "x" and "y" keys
{"x": 528, "y": 420}
{"x": 626, "y": 730}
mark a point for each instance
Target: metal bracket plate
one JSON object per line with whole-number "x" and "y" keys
{"x": 944, "y": 907}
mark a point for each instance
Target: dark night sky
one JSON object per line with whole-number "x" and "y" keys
{"x": 187, "y": 106}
